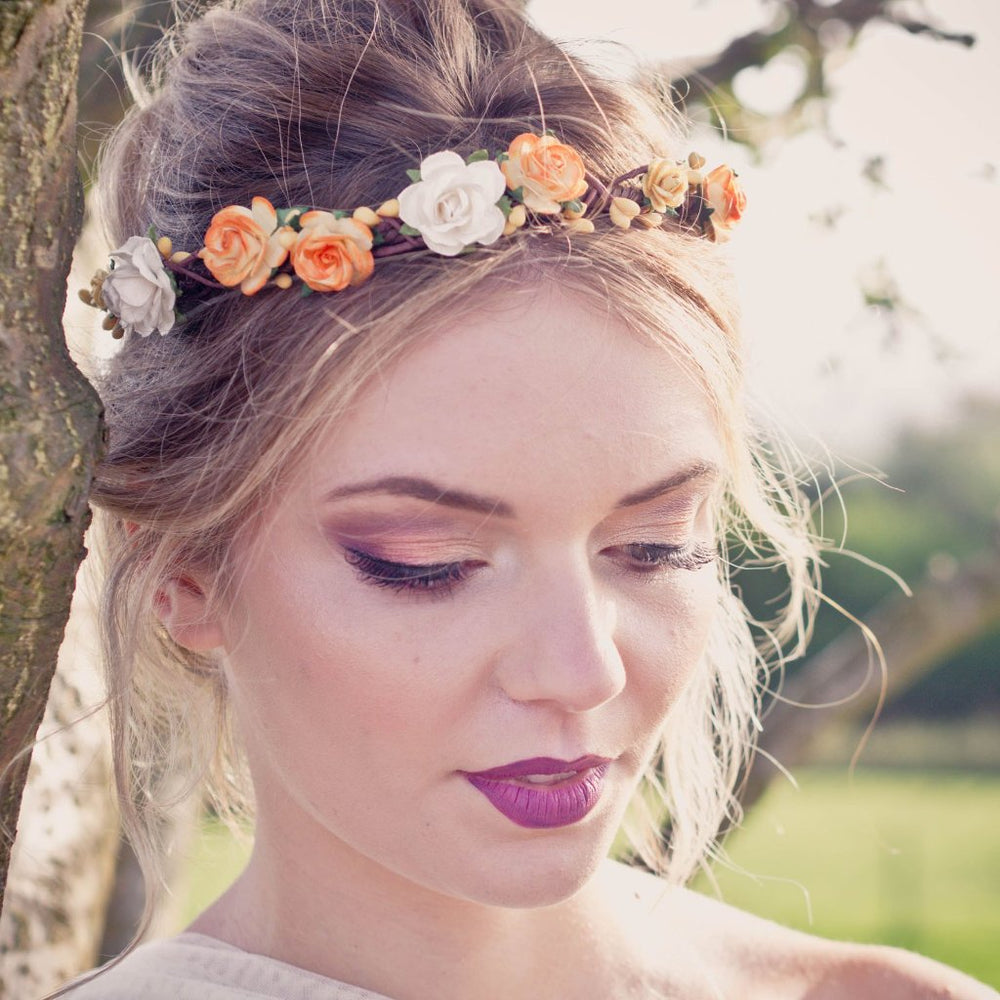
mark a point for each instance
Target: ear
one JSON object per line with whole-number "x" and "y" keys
{"x": 185, "y": 611}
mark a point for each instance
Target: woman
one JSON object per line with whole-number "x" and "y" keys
{"x": 424, "y": 440}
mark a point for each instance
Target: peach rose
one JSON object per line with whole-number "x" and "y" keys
{"x": 243, "y": 245}
{"x": 332, "y": 253}
{"x": 548, "y": 172}
{"x": 724, "y": 193}
{"x": 665, "y": 184}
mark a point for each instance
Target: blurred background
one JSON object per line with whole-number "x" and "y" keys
{"x": 868, "y": 268}
{"x": 869, "y": 272}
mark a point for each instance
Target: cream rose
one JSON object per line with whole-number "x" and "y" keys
{"x": 665, "y": 184}
{"x": 138, "y": 289}
{"x": 548, "y": 172}
{"x": 454, "y": 204}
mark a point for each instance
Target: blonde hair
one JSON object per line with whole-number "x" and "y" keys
{"x": 316, "y": 102}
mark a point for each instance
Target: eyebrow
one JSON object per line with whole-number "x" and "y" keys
{"x": 425, "y": 489}
{"x": 700, "y": 470}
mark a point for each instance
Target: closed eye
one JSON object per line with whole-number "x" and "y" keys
{"x": 646, "y": 557}
{"x": 424, "y": 577}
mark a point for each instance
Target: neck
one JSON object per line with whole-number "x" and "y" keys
{"x": 313, "y": 902}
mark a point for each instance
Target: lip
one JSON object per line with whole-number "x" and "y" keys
{"x": 535, "y": 805}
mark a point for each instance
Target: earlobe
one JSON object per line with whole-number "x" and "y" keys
{"x": 184, "y": 609}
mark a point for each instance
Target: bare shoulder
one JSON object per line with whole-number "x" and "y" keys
{"x": 743, "y": 956}
{"x": 887, "y": 973}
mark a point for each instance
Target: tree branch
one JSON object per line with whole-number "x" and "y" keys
{"x": 802, "y": 28}
{"x": 915, "y": 633}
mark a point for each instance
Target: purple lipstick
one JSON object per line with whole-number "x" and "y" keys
{"x": 543, "y": 792}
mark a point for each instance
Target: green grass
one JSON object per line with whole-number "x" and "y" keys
{"x": 910, "y": 859}
{"x": 215, "y": 859}
{"x": 904, "y": 858}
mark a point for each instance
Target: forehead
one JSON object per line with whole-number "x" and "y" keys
{"x": 533, "y": 393}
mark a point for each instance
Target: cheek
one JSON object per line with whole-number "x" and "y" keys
{"x": 669, "y": 632}
{"x": 321, "y": 665}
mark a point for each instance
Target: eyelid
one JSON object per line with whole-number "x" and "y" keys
{"x": 663, "y": 520}
{"x": 397, "y": 547}
{"x": 437, "y": 579}
{"x": 366, "y": 517}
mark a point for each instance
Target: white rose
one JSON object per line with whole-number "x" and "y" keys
{"x": 454, "y": 204}
{"x": 138, "y": 289}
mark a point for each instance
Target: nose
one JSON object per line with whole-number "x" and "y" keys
{"x": 565, "y": 650}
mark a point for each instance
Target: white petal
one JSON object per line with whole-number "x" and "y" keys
{"x": 445, "y": 180}
{"x": 134, "y": 290}
{"x": 439, "y": 161}
{"x": 131, "y": 245}
{"x": 409, "y": 204}
{"x": 488, "y": 177}
{"x": 494, "y": 226}
{"x": 444, "y": 246}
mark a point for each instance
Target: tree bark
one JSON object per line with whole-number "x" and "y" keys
{"x": 62, "y": 866}
{"x": 49, "y": 416}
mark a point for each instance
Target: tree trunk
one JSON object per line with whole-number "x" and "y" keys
{"x": 49, "y": 415}
{"x": 62, "y": 866}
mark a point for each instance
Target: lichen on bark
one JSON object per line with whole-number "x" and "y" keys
{"x": 49, "y": 415}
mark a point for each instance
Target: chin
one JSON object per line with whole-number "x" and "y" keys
{"x": 535, "y": 875}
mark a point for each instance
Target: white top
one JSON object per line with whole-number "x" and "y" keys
{"x": 196, "y": 967}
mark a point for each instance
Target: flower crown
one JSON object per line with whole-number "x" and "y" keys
{"x": 451, "y": 205}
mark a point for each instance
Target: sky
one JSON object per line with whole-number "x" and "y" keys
{"x": 824, "y": 364}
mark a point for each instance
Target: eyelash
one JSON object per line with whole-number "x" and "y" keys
{"x": 647, "y": 557}
{"x": 428, "y": 578}
{"x": 442, "y": 578}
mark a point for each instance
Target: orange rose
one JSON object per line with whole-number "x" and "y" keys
{"x": 665, "y": 184}
{"x": 243, "y": 245}
{"x": 332, "y": 253}
{"x": 724, "y": 193}
{"x": 548, "y": 172}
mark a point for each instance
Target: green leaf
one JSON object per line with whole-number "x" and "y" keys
{"x": 477, "y": 156}
{"x": 505, "y": 205}
{"x": 574, "y": 206}
{"x": 378, "y": 237}
{"x": 414, "y": 175}
{"x": 151, "y": 233}
{"x": 179, "y": 317}
{"x": 408, "y": 230}
{"x": 517, "y": 193}
{"x": 305, "y": 291}
{"x": 503, "y": 157}
{"x": 549, "y": 131}
{"x": 340, "y": 213}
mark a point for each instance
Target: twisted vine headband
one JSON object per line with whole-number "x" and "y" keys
{"x": 451, "y": 205}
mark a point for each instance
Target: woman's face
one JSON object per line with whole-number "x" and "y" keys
{"x": 454, "y": 640}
